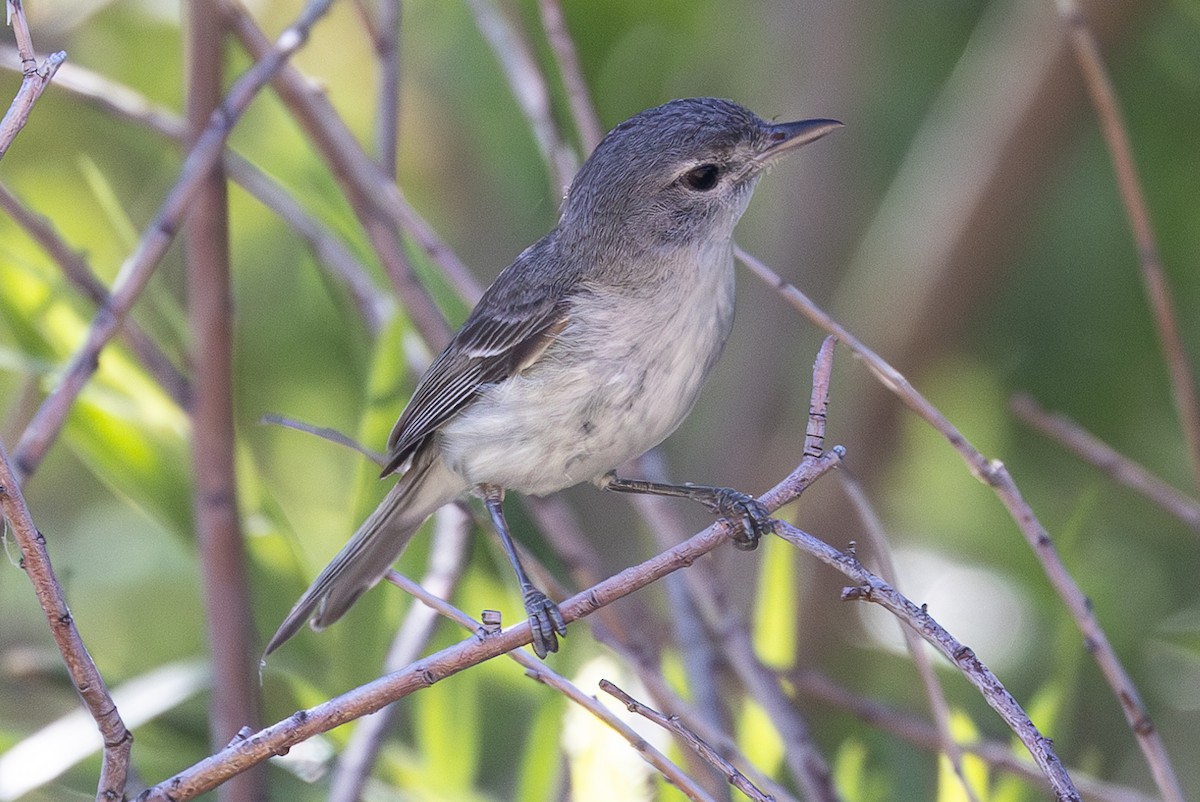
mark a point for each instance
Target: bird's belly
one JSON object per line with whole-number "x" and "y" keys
{"x": 596, "y": 399}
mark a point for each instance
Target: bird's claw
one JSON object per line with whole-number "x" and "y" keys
{"x": 545, "y": 619}
{"x": 743, "y": 508}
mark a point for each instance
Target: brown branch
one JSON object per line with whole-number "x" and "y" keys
{"x": 871, "y": 588}
{"x": 1116, "y": 465}
{"x": 140, "y": 265}
{"x": 276, "y": 739}
{"x": 996, "y": 476}
{"x": 35, "y": 77}
{"x": 234, "y": 702}
{"x": 1158, "y": 292}
{"x": 89, "y": 684}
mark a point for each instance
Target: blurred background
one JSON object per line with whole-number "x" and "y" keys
{"x": 965, "y": 224}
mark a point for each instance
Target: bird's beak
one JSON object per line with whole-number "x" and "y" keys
{"x": 785, "y": 137}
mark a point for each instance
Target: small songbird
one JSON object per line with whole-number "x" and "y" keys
{"x": 586, "y": 352}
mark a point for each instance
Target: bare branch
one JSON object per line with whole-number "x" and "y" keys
{"x": 35, "y": 559}
{"x": 1103, "y": 456}
{"x": 36, "y": 78}
{"x": 235, "y": 701}
{"x": 871, "y": 588}
{"x": 279, "y": 737}
{"x": 1158, "y": 292}
{"x": 938, "y": 705}
{"x": 995, "y": 475}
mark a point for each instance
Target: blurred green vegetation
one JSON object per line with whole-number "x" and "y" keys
{"x": 1051, "y": 304}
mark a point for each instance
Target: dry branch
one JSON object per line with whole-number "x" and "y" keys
{"x": 35, "y": 559}
{"x": 993, "y": 474}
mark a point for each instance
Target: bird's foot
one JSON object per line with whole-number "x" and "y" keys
{"x": 744, "y": 509}
{"x": 545, "y": 620}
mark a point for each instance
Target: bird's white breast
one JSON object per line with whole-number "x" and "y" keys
{"x": 619, "y": 379}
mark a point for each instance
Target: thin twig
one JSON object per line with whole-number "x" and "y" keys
{"x": 1116, "y": 465}
{"x": 887, "y": 569}
{"x": 88, "y": 682}
{"x": 36, "y": 77}
{"x": 694, "y": 741}
{"x": 1158, "y": 292}
{"x": 77, "y": 271}
{"x": 870, "y": 587}
{"x": 529, "y": 89}
{"x": 995, "y": 475}
{"x": 276, "y": 739}
{"x": 325, "y": 433}
{"x": 140, "y": 265}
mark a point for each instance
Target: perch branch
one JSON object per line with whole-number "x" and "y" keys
{"x": 871, "y": 588}
{"x": 993, "y": 474}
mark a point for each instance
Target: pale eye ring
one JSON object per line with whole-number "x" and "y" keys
{"x": 702, "y": 177}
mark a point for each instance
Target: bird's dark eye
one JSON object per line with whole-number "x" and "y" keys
{"x": 702, "y": 178}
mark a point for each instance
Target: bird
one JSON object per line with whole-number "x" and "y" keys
{"x": 586, "y": 352}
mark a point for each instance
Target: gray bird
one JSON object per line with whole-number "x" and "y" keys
{"x": 586, "y": 352}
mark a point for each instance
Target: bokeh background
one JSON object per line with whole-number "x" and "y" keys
{"x": 965, "y": 224}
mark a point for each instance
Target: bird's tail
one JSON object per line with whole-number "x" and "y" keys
{"x": 362, "y": 562}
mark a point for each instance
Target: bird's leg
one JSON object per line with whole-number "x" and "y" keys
{"x": 544, "y": 617}
{"x": 733, "y": 505}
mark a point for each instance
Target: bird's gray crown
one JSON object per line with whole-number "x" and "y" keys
{"x": 668, "y": 172}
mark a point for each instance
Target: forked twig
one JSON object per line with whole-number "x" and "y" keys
{"x": 35, "y": 77}
{"x": 995, "y": 475}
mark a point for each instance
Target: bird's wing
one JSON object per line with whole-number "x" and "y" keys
{"x": 510, "y": 328}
